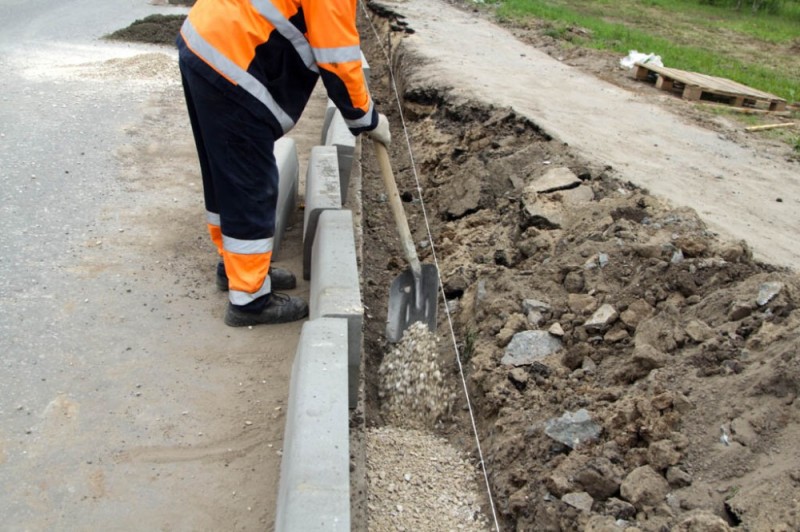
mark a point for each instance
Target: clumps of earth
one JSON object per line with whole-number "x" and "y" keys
{"x": 413, "y": 392}
{"x": 631, "y": 370}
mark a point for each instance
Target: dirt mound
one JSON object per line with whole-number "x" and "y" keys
{"x": 656, "y": 386}
{"x": 153, "y": 29}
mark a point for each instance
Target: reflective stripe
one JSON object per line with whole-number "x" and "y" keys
{"x": 342, "y": 54}
{"x": 233, "y": 72}
{"x": 364, "y": 121}
{"x": 288, "y": 30}
{"x": 237, "y": 297}
{"x": 212, "y": 218}
{"x": 246, "y": 247}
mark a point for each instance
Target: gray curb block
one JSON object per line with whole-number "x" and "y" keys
{"x": 322, "y": 193}
{"x": 339, "y": 135}
{"x": 289, "y": 171}
{"x": 314, "y": 487}
{"x": 335, "y": 287}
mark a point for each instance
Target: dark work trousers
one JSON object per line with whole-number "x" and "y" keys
{"x": 240, "y": 182}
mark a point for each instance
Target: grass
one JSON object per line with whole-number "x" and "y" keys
{"x": 759, "y": 50}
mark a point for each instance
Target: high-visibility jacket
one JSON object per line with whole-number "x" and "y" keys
{"x": 268, "y": 55}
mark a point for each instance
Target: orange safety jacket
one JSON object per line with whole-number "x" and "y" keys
{"x": 268, "y": 55}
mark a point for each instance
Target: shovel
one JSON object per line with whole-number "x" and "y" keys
{"x": 414, "y": 294}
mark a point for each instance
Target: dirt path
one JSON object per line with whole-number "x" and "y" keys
{"x": 734, "y": 189}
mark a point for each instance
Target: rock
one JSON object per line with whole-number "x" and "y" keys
{"x": 529, "y": 305}
{"x": 602, "y": 523}
{"x": 580, "y": 500}
{"x": 601, "y": 320}
{"x": 573, "y": 428}
{"x": 644, "y": 487}
{"x": 599, "y": 478}
{"x": 647, "y": 251}
{"x": 743, "y": 432}
{"x": 581, "y": 304}
{"x": 466, "y": 196}
{"x": 740, "y": 310}
{"x": 559, "y": 178}
{"x": 556, "y": 330}
{"x": 574, "y": 282}
{"x": 698, "y": 331}
{"x": 558, "y": 484}
{"x": 539, "y": 211}
{"x": 527, "y": 347}
{"x": 732, "y": 252}
{"x": 662, "y": 401}
{"x": 455, "y": 286}
{"x": 577, "y": 195}
{"x": 703, "y": 521}
{"x": 518, "y": 376}
{"x": 691, "y": 247}
{"x": 678, "y": 478}
{"x": 636, "y": 312}
{"x": 619, "y": 509}
{"x": 767, "y": 292}
{"x": 514, "y": 324}
{"x": 662, "y": 454}
{"x": 535, "y": 318}
{"x": 645, "y": 359}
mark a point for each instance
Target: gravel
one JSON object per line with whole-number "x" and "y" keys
{"x": 418, "y": 482}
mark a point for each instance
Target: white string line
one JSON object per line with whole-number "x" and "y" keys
{"x": 436, "y": 262}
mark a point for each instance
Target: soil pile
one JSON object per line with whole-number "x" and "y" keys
{"x": 629, "y": 368}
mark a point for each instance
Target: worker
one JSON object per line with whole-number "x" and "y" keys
{"x": 248, "y": 69}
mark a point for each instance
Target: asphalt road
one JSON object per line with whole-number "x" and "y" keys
{"x": 125, "y": 403}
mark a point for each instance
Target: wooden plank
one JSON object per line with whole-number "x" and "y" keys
{"x": 770, "y": 126}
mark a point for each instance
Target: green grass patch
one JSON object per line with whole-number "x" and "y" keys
{"x": 759, "y": 50}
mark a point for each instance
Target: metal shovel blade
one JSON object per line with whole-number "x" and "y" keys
{"x": 412, "y": 300}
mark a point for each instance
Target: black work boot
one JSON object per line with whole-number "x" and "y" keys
{"x": 280, "y": 278}
{"x": 280, "y": 308}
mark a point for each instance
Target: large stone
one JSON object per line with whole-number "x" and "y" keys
{"x": 580, "y": 500}
{"x": 698, "y": 331}
{"x": 636, "y": 312}
{"x": 573, "y": 429}
{"x": 602, "y": 319}
{"x": 581, "y": 304}
{"x": 527, "y": 347}
{"x": 559, "y": 178}
{"x": 767, "y": 292}
{"x": 662, "y": 454}
{"x": 644, "y": 487}
{"x": 540, "y": 211}
{"x": 703, "y": 521}
{"x": 599, "y": 477}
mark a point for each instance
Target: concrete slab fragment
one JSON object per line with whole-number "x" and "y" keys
{"x": 326, "y": 123}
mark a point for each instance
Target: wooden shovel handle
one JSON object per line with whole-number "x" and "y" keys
{"x": 397, "y": 208}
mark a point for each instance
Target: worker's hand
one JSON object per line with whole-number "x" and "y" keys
{"x": 381, "y": 132}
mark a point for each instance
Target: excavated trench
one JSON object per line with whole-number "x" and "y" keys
{"x": 626, "y": 367}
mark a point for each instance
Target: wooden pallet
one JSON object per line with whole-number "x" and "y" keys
{"x": 694, "y": 86}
